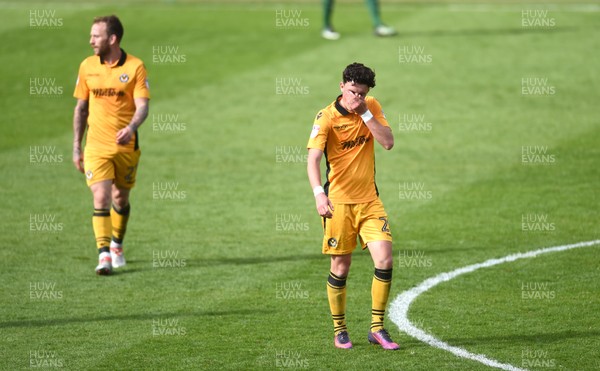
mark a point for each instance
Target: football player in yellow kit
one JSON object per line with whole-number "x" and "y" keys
{"x": 348, "y": 202}
{"x": 112, "y": 102}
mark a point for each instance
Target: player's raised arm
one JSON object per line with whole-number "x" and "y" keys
{"x": 382, "y": 134}
{"x": 323, "y": 204}
{"x": 79, "y": 124}
{"x": 354, "y": 99}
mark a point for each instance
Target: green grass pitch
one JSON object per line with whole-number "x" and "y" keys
{"x": 494, "y": 109}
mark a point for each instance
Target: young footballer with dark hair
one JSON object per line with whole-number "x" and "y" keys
{"x": 345, "y": 132}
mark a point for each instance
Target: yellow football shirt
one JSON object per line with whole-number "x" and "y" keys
{"x": 111, "y": 91}
{"x": 349, "y": 151}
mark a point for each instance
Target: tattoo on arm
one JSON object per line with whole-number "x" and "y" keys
{"x": 79, "y": 123}
{"x": 139, "y": 116}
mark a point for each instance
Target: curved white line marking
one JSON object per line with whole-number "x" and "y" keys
{"x": 400, "y": 305}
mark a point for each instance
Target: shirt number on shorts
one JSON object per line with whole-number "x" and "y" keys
{"x": 385, "y": 225}
{"x": 129, "y": 175}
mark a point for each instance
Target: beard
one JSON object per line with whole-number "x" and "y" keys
{"x": 103, "y": 50}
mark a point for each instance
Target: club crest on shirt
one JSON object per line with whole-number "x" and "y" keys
{"x": 124, "y": 78}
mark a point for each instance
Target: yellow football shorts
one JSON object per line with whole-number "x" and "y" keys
{"x": 120, "y": 167}
{"x": 367, "y": 221}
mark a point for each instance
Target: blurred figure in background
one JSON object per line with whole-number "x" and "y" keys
{"x": 380, "y": 29}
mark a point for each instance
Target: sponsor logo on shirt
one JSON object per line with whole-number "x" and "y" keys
{"x": 361, "y": 140}
{"x": 107, "y": 92}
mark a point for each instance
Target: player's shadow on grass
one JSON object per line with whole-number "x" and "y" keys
{"x": 549, "y": 337}
{"x": 131, "y": 317}
{"x": 141, "y": 265}
{"x": 251, "y": 260}
{"x": 487, "y": 32}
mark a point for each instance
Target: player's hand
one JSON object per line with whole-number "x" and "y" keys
{"x": 324, "y": 205}
{"x": 78, "y": 159}
{"x": 356, "y": 103}
{"x": 124, "y": 135}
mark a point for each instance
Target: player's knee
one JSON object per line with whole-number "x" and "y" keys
{"x": 101, "y": 194}
{"x": 384, "y": 262}
{"x": 120, "y": 197}
{"x": 340, "y": 266}
{"x": 341, "y": 271}
{"x": 101, "y": 199}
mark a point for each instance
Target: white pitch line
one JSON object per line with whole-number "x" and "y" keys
{"x": 399, "y": 307}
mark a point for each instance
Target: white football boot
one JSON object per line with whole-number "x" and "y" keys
{"x": 330, "y": 34}
{"x": 116, "y": 254}
{"x": 104, "y": 267}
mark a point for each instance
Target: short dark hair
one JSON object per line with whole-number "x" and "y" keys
{"x": 113, "y": 25}
{"x": 360, "y": 74}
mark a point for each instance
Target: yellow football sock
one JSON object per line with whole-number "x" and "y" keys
{"x": 102, "y": 228}
{"x": 336, "y": 293}
{"x": 119, "y": 218}
{"x": 380, "y": 291}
